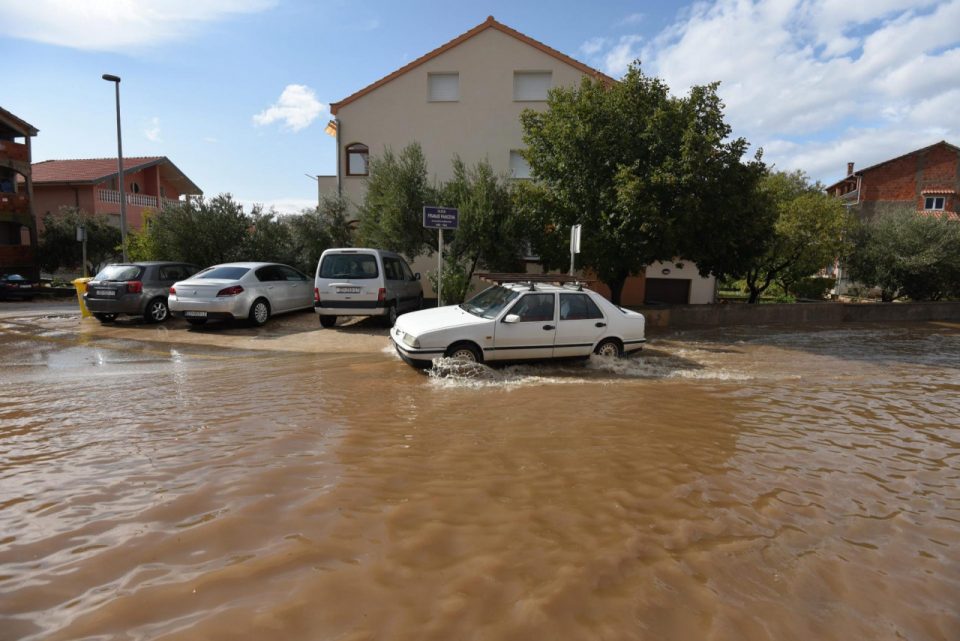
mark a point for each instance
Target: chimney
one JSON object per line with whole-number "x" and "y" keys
{"x": 849, "y": 168}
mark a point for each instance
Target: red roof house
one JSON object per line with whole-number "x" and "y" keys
{"x": 91, "y": 184}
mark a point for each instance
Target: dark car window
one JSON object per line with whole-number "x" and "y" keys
{"x": 393, "y": 269}
{"x": 534, "y": 308}
{"x": 578, "y": 307}
{"x": 119, "y": 272}
{"x": 289, "y": 273}
{"x": 173, "y": 272}
{"x": 225, "y": 273}
{"x": 352, "y": 266}
{"x": 407, "y": 273}
{"x": 269, "y": 273}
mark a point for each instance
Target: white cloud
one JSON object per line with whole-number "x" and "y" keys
{"x": 632, "y": 19}
{"x": 280, "y": 205}
{"x": 593, "y": 46}
{"x": 815, "y": 82}
{"x": 297, "y": 107}
{"x": 210, "y": 139}
{"x": 116, "y": 25}
{"x": 152, "y": 132}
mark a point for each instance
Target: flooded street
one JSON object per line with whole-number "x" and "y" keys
{"x": 297, "y": 483}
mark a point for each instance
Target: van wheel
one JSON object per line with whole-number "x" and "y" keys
{"x": 328, "y": 321}
{"x": 259, "y": 312}
{"x": 392, "y": 315}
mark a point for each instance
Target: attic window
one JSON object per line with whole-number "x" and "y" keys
{"x": 443, "y": 87}
{"x": 531, "y": 85}
{"x": 934, "y": 203}
{"x": 358, "y": 155}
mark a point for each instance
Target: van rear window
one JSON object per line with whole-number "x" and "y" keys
{"x": 350, "y": 266}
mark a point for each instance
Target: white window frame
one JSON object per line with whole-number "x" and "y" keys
{"x": 517, "y": 161}
{"x": 522, "y": 93}
{"x": 928, "y": 200}
{"x": 440, "y": 97}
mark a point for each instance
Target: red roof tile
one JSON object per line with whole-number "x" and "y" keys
{"x": 87, "y": 170}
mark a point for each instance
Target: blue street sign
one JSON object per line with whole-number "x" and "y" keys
{"x": 441, "y": 217}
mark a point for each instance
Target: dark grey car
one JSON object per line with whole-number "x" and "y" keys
{"x": 136, "y": 289}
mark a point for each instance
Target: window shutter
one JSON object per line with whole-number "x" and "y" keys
{"x": 531, "y": 85}
{"x": 444, "y": 87}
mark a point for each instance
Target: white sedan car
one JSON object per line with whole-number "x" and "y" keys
{"x": 255, "y": 291}
{"x": 519, "y": 321}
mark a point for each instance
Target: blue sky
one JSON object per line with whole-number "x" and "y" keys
{"x": 236, "y": 92}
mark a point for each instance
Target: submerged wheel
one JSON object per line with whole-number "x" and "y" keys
{"x": 328, "y": 321}
{"x": 609, "y": 348}
{"x": 157, "y": 311}
{"x": 105, "y": 318}
{"x": 197, "y": 321}
{"x": 464, "y": 352}
{"x": 260, "y": 312}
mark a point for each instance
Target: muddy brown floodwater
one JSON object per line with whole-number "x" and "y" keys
{"x": 296, "y": 483}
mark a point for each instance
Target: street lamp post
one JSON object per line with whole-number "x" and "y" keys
{"x": 123, "y": 200}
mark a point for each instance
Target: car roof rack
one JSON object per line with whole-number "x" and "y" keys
{"x": 533, "y": 279}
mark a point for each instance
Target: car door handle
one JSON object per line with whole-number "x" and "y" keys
{"x": 600, "y": 325}
{"x": 549, "y": 327}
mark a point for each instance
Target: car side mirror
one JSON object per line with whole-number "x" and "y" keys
{"x": 511, "y": 318}
{"x": 416, "y": 276}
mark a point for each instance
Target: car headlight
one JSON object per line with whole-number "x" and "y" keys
{"x": 411, "y": 341}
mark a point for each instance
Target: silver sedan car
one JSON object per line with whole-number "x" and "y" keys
{"x": 240, "y": 290}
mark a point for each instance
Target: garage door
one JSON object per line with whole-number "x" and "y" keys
{"x": 667, "y": 291}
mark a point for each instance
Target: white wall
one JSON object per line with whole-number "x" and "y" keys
{"x": 702, "y": 290}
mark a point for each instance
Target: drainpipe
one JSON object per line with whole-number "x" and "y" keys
{"x": 339, "y": 169}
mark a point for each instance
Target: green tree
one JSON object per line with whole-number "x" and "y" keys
{"x": 809, "y": 233}
{"x": 907, "y": 254}
{"x": 268, "y": 237}
{"x": 200, "y": 231}
{"x": 391, "y": 216}
{"x": 649, "y": 176}
{"x": 59, "y": 246}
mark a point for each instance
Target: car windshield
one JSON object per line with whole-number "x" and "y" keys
{"x": 489, "y": 302}
{"x": 224, "y": 273}
{"x": 351, "y": 266}
{"x": 119, "y": 272}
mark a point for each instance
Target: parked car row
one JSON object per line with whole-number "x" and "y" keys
{"x": 509, "y": 321}
{"x": 348, "y": 282}
{"x": 16, "y": 287}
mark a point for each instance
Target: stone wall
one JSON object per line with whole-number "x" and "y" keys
{"x": 798, "y": 314}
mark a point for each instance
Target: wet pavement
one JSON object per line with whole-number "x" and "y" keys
{"x": 160, "y": 482}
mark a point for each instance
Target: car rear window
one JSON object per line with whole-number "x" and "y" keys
{"x": 224, "y": 273}
{"x": 351, "y": 266}
{"x": 119, "y": 272}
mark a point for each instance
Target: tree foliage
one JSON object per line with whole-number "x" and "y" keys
{"x": 207, "y": 232}
{"x": 810, "y": 232}
{"x": 906, "y": 254}
{"x": 491, "y": 232}
{"x": 649, "y": 176}
{"x": 59, "y": 247}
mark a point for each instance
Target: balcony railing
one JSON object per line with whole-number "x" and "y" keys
{"x": 14, "y": 151}
{"x": 138, "y": 200}
{"x": 14, "y": 203}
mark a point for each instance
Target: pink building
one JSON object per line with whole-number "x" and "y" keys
{"x": 91, "y": 185}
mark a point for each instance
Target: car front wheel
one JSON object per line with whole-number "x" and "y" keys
{"x": 464, "y": 352}
{"x": 260, "y": 312}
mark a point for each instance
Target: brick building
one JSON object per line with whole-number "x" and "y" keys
{"x": 18, "y": 229}
{"x": 926, "y": 180}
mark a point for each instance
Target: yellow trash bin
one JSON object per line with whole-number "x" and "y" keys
{"x": 81, "y": 285}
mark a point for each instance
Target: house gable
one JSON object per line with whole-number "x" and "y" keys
{"x": 489, "y": 23}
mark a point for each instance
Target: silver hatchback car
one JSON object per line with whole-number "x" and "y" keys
{"x": 240, "y": 290}
{"x": 136, "y": 289}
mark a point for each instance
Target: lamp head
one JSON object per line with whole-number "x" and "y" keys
{"x": 111, "y": 77}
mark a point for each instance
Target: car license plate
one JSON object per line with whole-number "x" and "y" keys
{"x": 24, "y": 286}
{"x": 195, "y": 314}
{"x": 105, "y": 292}
{"x": 348, "y": 290}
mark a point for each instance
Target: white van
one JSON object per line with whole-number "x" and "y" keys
{"x": 364, "y": 282}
